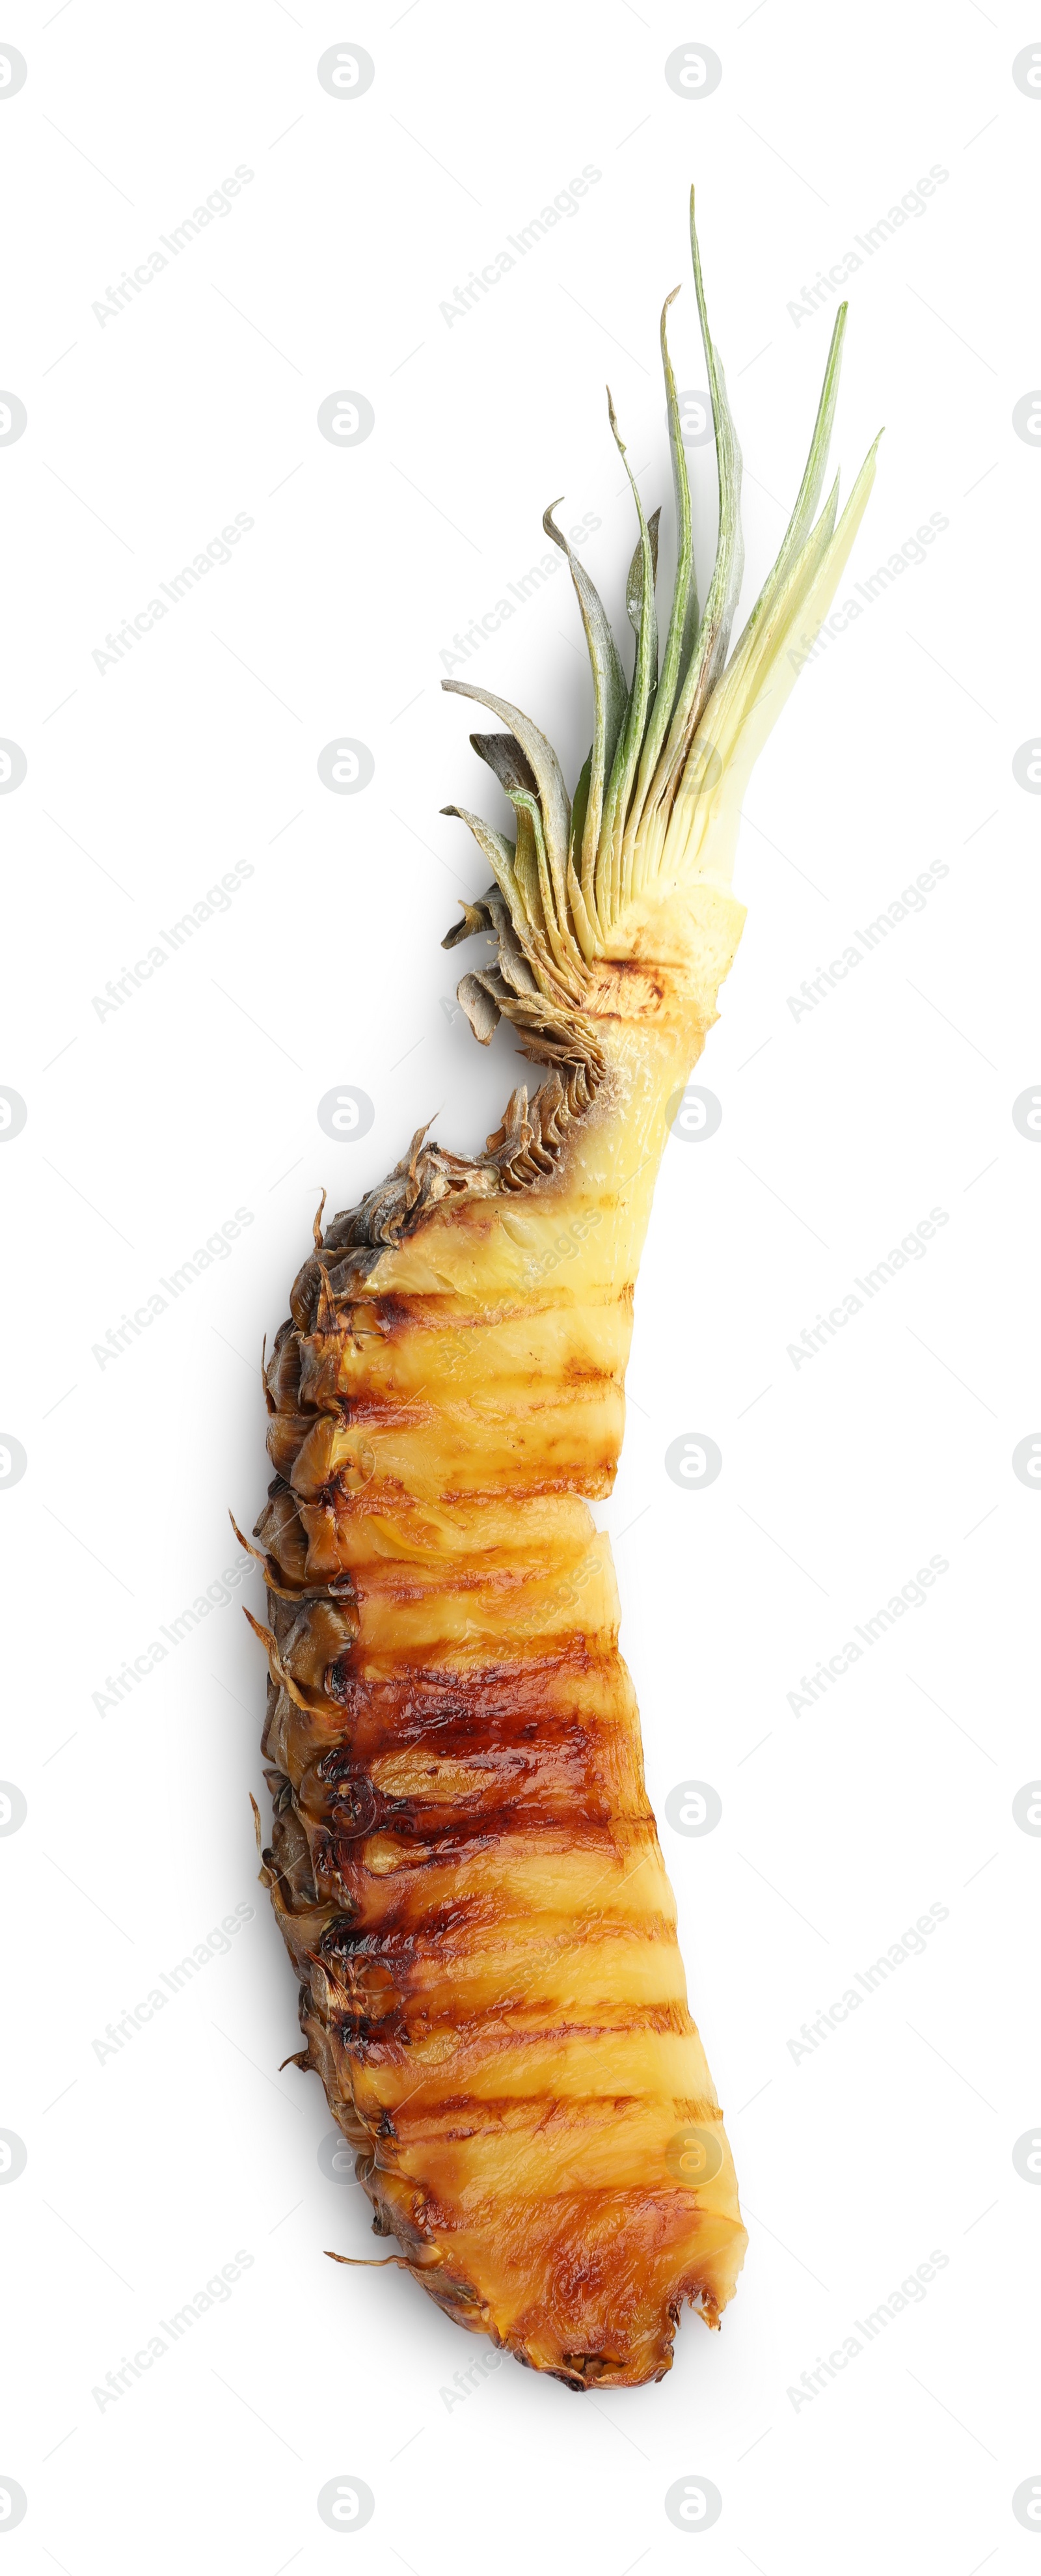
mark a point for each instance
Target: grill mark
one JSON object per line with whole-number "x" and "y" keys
{"x": 414, "y": 1917}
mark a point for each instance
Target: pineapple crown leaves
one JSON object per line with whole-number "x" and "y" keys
{"x": 658, "y": 799}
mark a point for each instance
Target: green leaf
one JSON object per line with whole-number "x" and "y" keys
{"x": 810, "y": 488}
{"x": 642, "y": 615}
{"x": 609, "y": 702}
{"x": 682, "y": 620}
{"x": 553, "y": 796}
{"x": 710, "y": 650}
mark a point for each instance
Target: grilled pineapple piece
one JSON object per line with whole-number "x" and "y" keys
{"x": 463, "y": 1862}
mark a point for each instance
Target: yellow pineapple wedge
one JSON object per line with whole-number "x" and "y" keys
{"x": 463, "y": 1861}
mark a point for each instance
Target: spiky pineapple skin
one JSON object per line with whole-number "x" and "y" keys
{"x": 464, "y": 1864}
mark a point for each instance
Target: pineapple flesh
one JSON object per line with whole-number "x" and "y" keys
{"x": 463, "y": 1861}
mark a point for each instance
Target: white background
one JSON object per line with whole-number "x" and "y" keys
{"x": 147, "y": 2170}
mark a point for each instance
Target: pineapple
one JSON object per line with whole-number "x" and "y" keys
{"x": 463, "y": 1863}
